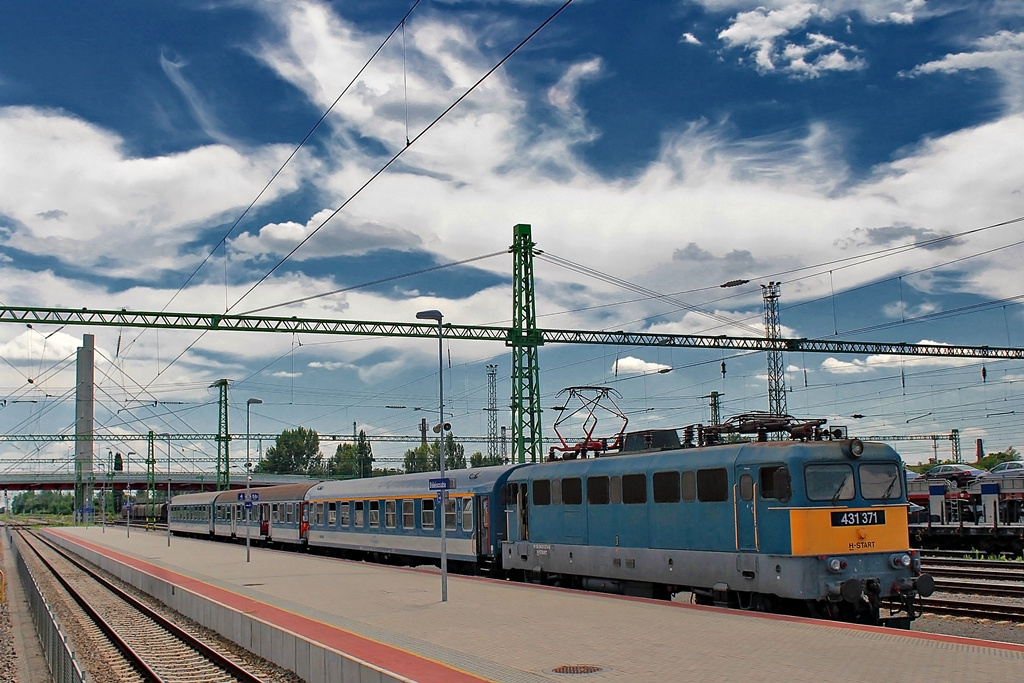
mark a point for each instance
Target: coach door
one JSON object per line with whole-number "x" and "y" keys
{"x": 264, "y": 519}
{"x": 482, "y": 523}
{"x": 745, "y": 507}
{"x": 303, "y": 521}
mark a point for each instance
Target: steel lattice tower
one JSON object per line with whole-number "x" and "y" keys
{"x": 492, "y": 413}
{"x": 524, "y": 338}
{"x": 223, "y": 438}
{"x": 151, "y": 483}
{"x": 776, "y": 368}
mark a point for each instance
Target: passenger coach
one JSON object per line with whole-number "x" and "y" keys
{"x": 398, "y": 517}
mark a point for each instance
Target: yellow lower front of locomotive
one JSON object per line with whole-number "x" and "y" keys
{"x": 831, "y": 531}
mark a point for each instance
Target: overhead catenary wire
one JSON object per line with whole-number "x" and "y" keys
{"x": 378, "y": 173}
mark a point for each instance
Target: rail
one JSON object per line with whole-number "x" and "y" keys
{"x": 60, "y": 658}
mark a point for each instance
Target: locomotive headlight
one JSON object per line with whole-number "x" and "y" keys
{"x": 900, "y": 561}
{"x": 856, "y": 447}
{"x": 836, "y": 565}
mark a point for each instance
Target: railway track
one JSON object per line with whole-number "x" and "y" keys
{"x": 121, "y": 638}
{"x": 975, "y": 610}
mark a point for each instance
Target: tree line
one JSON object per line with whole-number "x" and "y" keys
{"x": 297, "y": 451}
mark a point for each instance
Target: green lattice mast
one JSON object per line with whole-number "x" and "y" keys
{"x": 151, "y": 485}
{"x": 524, "y": 338}
{"x": 223, "y": 437}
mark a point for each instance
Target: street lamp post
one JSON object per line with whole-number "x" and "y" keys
{"x": 168, "y": 488}
{"x": 248, "y": 475}
{"x": 436, "y": 315}
{"x": 127, "y": 470}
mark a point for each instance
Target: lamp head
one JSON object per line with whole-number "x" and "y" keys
{"x": 254, "y": 401}
{"x": 430, "y": 315}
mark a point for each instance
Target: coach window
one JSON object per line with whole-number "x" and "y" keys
{"x": 332, "y": 513}
{"x": 689, "y": 486}
{"x": 597, "y": 490}
{"x": 572, "y": 491}
{"x": 375, "y": 513}
{"x": 713, "y": 485}
{"x": 274, "y": 512}
{"x": 358, "y": 514}
{"x": 832, "y": 482}
{"x": 408, "y": 514}
{"x": 634, "y": 489}
{"x": 666, "y": 487}
{"x": 319, "y": 514}
{"x": 427, "y": 514}
{"x": 390, "y": 514}
{"x": 344, "y": 514}
{"x": 289, "y": 514}
{"x": 542, "y": 492}
{"x": 556, "y": 491}
{"x": 746, "y": 486}
{"x": 880, "y": 480}
{"x": 467, "y": 514}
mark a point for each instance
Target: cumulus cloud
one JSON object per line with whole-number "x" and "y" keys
{"x": 341, "y": 236}
{"x": 1002, "y": 52}
{"x": 872, "y": 363}
{"x": 690, "y": 38}
{"x": 766, "y": 33}
{"x": 628, "y": 365}
{"x": 118, "y": 207}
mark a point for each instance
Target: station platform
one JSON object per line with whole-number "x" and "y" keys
{"x": 336, "y": 620}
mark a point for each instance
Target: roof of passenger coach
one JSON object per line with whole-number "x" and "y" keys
{"x": 475, "y": 480}
{"x": 270, "y": 494}
{"x": 201, "y": 498}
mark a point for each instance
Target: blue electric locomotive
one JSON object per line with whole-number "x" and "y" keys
{"x": 817, "y": 527}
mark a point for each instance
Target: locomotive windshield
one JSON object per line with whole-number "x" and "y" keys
{"x": 880, "y": 481}
{"x": 829, "y": 482}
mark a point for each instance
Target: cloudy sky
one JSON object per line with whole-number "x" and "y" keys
{"x": 864, "y": 154}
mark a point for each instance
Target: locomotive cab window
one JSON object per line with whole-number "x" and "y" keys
{"x": 774, "y": 483}
{"x": 832, "y": 482}
{"x": 713, "y": 485}
{"x": 572, "y": 491}
{"x": 615, "y": 489}
{"x": 666, "y": 487}
{"x": 510, "y": 494}
{"x": 880, "y": 480}
{"x": 556, "y": 491}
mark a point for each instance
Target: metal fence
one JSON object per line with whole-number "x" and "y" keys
{"x": 56, "y": 649}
